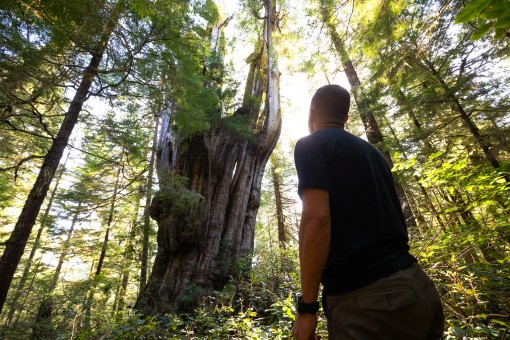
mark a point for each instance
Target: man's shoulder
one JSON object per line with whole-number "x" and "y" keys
{"x": 311, "y": 139}
{"x": 334, "y": 139}
{"x": 323, "y": 135}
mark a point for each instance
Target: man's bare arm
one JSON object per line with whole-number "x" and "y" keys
{"x": 314, "y": 240}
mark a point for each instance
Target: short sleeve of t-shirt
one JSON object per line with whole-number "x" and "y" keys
{"x": 310, "y": 160}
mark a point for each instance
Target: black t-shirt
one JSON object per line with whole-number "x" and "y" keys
{"x": 368, "y": 233}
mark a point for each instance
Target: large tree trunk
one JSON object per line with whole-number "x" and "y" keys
{"x": 201, "y": 246}
{"x": 370, "y": 124}
{"x": 15, "y": 245}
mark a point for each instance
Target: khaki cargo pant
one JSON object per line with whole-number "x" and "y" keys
{"x": 404, "y": 305}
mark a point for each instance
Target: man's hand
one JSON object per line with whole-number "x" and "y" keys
{"x": 304, "y": 327}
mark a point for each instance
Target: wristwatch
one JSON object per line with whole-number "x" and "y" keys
{"x": 308, "y": 308}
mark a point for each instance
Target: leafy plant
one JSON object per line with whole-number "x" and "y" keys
{"x": 489, "y": 14}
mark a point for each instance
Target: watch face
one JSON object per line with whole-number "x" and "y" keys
{"x": 297, "y": 297}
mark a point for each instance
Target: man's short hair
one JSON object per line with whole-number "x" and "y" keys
{"x": 332, "y": 102}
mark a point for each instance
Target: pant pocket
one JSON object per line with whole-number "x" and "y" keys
{"x": 386, "y": 300}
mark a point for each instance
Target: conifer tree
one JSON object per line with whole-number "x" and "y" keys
{"x": 361, "y": 98}
{"x": 16, "y": 243}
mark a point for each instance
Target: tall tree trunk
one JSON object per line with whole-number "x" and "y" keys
{"x": 282, "y": 239}
{"x": 370, "y": 124}
{"x": 146, "y": 212}
{"x": 16, "y": 243}
{"x": 109, "y": 223}
{"x": 103, "y": 251}
{"x": 35, "y": 246}
{"x": 200, "y": 248}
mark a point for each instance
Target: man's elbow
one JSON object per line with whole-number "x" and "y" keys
{"x": 319, "y": 221}
{"x": 323, "y": 220}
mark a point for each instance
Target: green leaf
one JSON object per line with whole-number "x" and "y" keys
{"x": 501, "y": 5}
{"x": 503, "y": 22}
{"x": 435, "y": 155}
{"x": 472, "y": 10}
{"x": 481, "y": 31}
{"x": 501, "y": 323}
{"x": 490, "y": 14}
{"x": 500, "y": 33}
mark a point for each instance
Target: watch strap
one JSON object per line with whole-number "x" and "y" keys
{"x": 306, "y": 308}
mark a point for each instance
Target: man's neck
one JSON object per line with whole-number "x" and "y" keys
{"x": 330, "y": 125}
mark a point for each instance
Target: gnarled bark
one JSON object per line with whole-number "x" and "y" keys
{"x": 223, "y": 173}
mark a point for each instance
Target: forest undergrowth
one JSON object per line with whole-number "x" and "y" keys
{"x": 259, "y": 304}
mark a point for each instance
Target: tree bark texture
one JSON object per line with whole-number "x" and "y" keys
{"x": 370, "y": 124}
{"x": 16, "y": 243}
{"x": 280, "y": 218}
{"x": 201, "y": 247}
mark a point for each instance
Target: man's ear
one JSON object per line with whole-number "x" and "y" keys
{"x": 311, "y": 119}
{"x": 311, "y": 113}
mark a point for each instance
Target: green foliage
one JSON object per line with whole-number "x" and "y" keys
{"x": 261, "y": 307}
{"x": 5, "y": 197}
{"x": 29, "y": 90}
{"x": 410, "y": 60}
{"x": 475, "y": 295}
{"x": 175, "y": 197}
{"x": 238, "y": 126}
{"x": 216, "y": 318}
{"x": 467, "y": 260}
{"x": 489, "y": 14}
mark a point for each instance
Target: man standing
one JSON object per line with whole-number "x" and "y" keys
{"x": 353, "y": 237}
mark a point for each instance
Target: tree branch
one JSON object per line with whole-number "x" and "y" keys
{"x": 19, "y": 164}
